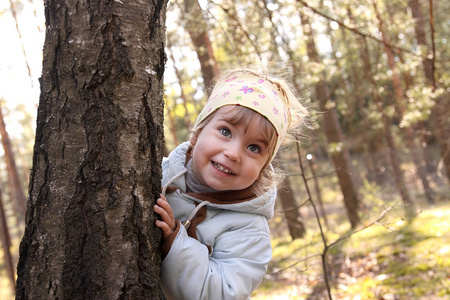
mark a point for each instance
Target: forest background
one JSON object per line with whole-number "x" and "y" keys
{"x": 368, "y": 184}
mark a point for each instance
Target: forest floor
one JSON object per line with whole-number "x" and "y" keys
{"x": 392, "y": 258}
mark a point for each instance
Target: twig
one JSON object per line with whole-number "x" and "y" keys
{"x": 226, "y": 35}
{"x": 382, "y": 215}
{"x": 324, "y": 240}
{"x": 317, "y": 176}
{"x": 14, "y": 13}
{"x": 355, "y": 30}
{"x": 294, "y": 264}
{"x": 433, "y": 45}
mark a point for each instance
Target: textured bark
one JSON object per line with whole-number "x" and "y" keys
{"x": 333, "y": 132}
{"x": 90, "y": 230}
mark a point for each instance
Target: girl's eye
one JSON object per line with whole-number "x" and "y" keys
{"x": 254, "y": 148}
{"x": 225, "y": 132}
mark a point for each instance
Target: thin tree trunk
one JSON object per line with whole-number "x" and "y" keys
{"x": 399, "y": 107}
{"x": 312, "y": 166}
{"x": 441, "y": 108}
{"x": 392, "y": 149}
{"x": 333, "y": 132}
{"x": 6, "y": 243}
{"x": 187, "y": 118}
{"x": 172, "y": 128}
{"x": 90, "y": 230}
{"x": 290, "y": 208}
{"x": 371, "y": 139}
{"x": 17, "y": 191}
{"x": 240, "y": 33}
{"x": 198, "y": 31}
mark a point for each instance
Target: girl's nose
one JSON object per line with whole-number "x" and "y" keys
{"x": 233, "y": 152}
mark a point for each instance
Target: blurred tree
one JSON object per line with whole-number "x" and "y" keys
{"x": 290, "y": 206}
{"x": 13, "y": 175}
{"x": 441, "y": 106}
{"x": 332, "y": 129}
{"x": 172, "y": 128}
{"x": 197, "y": 27}
{"x": 386, "y": 122}
{"x": 5, "y": 238}
{"x": 408, "y": 134}
{"x": 179, "y": 78}
{"x": 90, "y": 230}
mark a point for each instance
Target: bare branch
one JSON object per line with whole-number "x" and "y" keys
{"x": 358, "y": 32}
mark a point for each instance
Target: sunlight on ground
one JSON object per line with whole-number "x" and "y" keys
{"x": 395, "y": 259}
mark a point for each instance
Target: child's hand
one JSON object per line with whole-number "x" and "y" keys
{"x": 167, "y": 224}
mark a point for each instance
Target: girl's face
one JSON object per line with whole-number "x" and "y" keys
{"x": 229, "y": 156}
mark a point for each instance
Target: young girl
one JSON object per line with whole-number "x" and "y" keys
{"x": 219, "y": 190}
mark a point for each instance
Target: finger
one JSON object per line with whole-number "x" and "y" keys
{"x": 166, "y": 206}
{"x": 161, "y": 212}
{"x": 165, "y": 229}
{"x": 165, "y": 216}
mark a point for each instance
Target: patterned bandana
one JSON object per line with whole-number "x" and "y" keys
{"x": 255, "y": 93}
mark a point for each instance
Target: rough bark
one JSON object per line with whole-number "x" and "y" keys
{"x": 90, "y": 230}
{"x": 333, "y": 132}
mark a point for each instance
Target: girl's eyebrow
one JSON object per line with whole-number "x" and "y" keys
{"x": 263, "y": 141}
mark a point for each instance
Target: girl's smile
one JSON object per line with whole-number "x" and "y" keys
{"x": 222, "y": 169}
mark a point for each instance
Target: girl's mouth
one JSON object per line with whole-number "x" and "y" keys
{"x": 222, "y": 169}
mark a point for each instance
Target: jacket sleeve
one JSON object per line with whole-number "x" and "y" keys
{"x": 234, "y": 269}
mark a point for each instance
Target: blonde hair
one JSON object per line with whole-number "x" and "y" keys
{"x": 241, "y": 115}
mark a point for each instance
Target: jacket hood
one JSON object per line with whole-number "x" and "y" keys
{"x": 174, "y": 173}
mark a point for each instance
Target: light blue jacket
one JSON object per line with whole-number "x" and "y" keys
{"x": 228, "y": 257}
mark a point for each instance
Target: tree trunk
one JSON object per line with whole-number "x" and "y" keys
{"x": 290, "y": 208}
{"x": 172, "y": 127}
{"x": 187, "y": 118}
{"x": 313, "y": 167}
{"x": 19, "y": 201}
{"x": 442, "y": 107}
{"x": 333, "y": 132}
{"x": 90, "y": 230}
{"x": 198, "y": 31}
{"x": 392, "y": 149}
{"x": 6, "y": 244}
{"x": 399, "y": 107}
